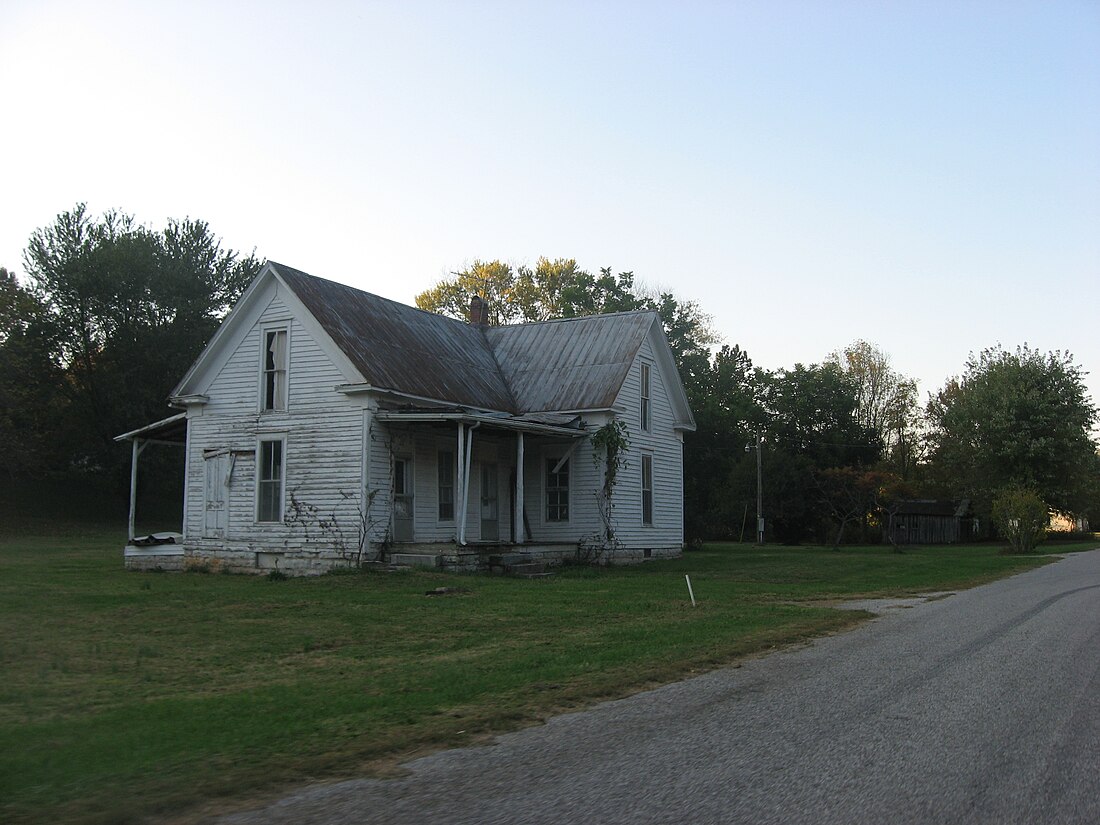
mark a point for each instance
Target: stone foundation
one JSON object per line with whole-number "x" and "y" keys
{"x": 165, "y": 557}
{"x": 315, "y": 560}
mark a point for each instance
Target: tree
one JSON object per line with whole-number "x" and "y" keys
{"x": 494, "y": 281}
{"x": 560, "y": 289}
{"x": 1020, "y": 418}
{"x": 849, "y": 495}
{"x": 719, "y": 476}
{"x": 17, "y": 305}
{"x": 809, "y": 425}
{"x": 812, "y": 410}
{"x": 856, "y": 495}
{"x": 886, "y": 401}
{"x": 128, "y": 310}
{"x": 1021, "y": 517}
{"x": 31, "y": 400}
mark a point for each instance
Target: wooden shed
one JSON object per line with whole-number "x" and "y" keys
{"x": 931, "y": 521}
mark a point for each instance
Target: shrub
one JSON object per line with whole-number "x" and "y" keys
{"x": 1021, "y": 517}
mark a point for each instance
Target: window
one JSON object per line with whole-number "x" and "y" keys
{"x": 647, "y": 489}
{"x": 446, "y": 485}
{"x": 557, "y": 489}
{"x": 275, "y": 369}
{"x": 644, "y": 413}
{"x": 269, "y": 481}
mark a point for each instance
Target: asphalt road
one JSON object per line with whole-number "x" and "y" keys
{"x": 980, "y": 707}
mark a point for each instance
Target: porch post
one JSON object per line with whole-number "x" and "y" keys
{"x": 135, "y": 451}
{"x": 460, "y": 483}
{"x": 520, "y": 535}
{"x": 466, "y": 481}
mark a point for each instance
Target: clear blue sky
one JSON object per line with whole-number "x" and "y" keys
{"x": 922, "y": 175}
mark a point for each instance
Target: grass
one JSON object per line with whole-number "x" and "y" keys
{"x": 126, "y": 695}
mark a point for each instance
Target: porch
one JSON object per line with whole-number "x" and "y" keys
{"x": 162, "y": 550}
{"x": 477, "y": 483}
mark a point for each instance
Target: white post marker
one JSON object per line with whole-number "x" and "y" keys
{"x": 691, "y": 593}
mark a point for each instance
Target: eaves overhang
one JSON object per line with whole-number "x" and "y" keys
{"x": 365, "y": 389}
{"x": 171, "y": 430}
{"x": 490, "y": 421}
{"x": 184, "y": 401}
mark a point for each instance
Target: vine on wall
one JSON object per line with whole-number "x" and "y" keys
{"x": 609, "y": 446}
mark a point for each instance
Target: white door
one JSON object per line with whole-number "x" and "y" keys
{"x": 402, "y": 499}
{"x": 216, "y": 513}
{"x": 490, "y": 510}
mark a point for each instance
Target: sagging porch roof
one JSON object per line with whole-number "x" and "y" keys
{"x": 171, "y": 430}
{"x": 563, "y": 425}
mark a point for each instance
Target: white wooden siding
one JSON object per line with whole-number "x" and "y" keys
{"x": 665, "y": 445}
{"x": 324, "y": 441}
{"x": 335, "y": 447}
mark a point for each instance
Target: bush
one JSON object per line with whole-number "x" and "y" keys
{"x": 1021, "y": 517}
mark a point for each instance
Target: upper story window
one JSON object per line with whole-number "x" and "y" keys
{"x": 645, "y": 406}
{"x": 557, "y": 489}
{"x": 274, "y": 388}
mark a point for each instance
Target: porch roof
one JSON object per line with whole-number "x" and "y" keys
{"x": 569, "y": 426}
{"x": 171, "y": 430}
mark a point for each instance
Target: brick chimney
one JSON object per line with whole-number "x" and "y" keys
{"x": 479, "y": 312}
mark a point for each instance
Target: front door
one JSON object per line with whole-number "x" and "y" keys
{"x": 490, "y": 509}
{"x": 215, "y": 511}
{"x": 402, "y": 499}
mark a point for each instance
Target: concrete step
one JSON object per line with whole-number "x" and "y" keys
{"x": 414, "y": 560}
{"x": 529, "y": 568}
{"x": 507, "y": 559}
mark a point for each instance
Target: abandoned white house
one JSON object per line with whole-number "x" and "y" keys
{"x": 324, "y": 425}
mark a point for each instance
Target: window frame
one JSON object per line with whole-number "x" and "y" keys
{"x": 557, "y": 512}
{"x": 647, "y": 490}
{"x": 261, "y": 481}
{"x": 275, "y": 371}
{"x": 645, "y": 400}
{"x": 450, "y": 465}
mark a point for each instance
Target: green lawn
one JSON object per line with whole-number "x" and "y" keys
{"x": 128, "y": 694}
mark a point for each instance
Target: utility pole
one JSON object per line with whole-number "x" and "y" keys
{"x": 759, "y": 487}
{"x": 759, "y": 492}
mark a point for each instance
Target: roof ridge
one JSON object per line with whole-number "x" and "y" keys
{"x": 578, "y": 318}
{"x": 372, "y": 294}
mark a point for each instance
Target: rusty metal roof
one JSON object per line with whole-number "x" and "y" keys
{"x": 571, "y": 363}
{"x": 402, "y": 348}
{"x": 567, "y": 364}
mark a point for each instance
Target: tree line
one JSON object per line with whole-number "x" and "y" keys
{"x": 842, "y": 441}
{"x": 109, "y": 315}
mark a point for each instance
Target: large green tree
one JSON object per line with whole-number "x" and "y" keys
{"x": 812, "y": 410}
{"x": 558, "y": 288}
{"x": 810, "y": 425}
{"x": 719, "y": 476}
{"x": 1018, "y": 418}
{"x": 32, "y": 402}
{"x": 128, "y": 309}
{"x": 886, "y": 402}
{"x": 806, "y": 417}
